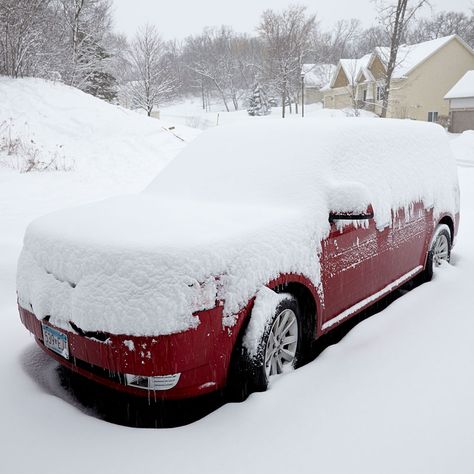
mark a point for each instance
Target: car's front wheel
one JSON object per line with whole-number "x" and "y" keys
{"x": 280, "y": 343}
{"x": 276, "y": 351}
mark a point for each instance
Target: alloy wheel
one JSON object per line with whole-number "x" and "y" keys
{"x": 440, "y": 250}
{"x": 282, "y": 343}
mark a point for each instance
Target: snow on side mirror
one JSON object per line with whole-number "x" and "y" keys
{"x": 349, "y": 200}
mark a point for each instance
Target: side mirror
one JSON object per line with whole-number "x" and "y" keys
{"x": 351, "y": 215}
{"x": 349, "y": 201}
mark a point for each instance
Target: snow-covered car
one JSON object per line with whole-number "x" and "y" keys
{"x": 256, "y": 240}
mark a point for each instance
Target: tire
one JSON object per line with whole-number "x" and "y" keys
{"x": 279, "y": 350}
{"x": 439, "y": 251}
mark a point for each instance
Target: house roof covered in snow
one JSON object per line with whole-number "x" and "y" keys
{"x": 412, "y": 56}
{"x": 351, "y": 68}
{"x": 318, "y": 75}
{"x": 409, "y": 58}
{"x": 464, "y": 88}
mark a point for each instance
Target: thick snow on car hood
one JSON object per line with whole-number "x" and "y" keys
{"x": 140, "y": 265}
{"x": 238, "y": 207}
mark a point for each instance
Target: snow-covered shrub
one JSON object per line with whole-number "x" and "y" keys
{"x": 444, "y": 121}
{"x": 25, "y": 155}
{"x": 195, "y": 121}
{"x": 54, "y": 76}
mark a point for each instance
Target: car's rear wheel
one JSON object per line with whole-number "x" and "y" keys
{"x": 439, "y": 251}
{"x": 278, "y": 351}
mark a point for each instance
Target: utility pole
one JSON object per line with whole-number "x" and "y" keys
{"x": 302, "y": 94}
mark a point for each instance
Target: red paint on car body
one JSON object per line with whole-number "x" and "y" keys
{"x": 357, "y": 262}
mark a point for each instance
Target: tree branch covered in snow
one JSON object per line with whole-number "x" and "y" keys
{"x": 21, "y": 38}
{"x": 223, "y": 61}
{"x": 395, "y": 17}
{"x": 60, "y": 39}
{"x": 286, "y": 38}
{"x": 152, "y": 79}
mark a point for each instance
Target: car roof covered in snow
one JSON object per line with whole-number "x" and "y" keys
{"x": 301, "y": 163}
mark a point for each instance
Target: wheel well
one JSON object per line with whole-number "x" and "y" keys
{"x": 308, "y": 309}
{"x": 449, "y": 222}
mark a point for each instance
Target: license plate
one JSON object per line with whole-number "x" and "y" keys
{"x": 56, "y": 341}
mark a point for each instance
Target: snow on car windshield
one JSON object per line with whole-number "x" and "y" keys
{"x": 237, "y": 208}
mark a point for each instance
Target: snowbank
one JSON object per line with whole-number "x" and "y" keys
{"x": 463, "y": 148}
{"x": 235, "y": 209}
{"x": 54, "y": 122}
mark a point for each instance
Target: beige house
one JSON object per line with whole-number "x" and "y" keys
{"x": 424, "y": 74}
{"x": 461, "y": 104}
{"x": 316, "y": 78}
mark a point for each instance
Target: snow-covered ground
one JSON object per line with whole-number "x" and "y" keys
{"x": 394, "y": 396}
{"x": 191, "y": 114}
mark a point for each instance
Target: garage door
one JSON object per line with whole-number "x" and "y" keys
{"x": 462, "y": 120}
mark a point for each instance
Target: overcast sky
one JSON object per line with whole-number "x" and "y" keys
{"x": 179, "y": 18}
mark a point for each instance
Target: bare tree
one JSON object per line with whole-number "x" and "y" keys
{"x": 443, "y": 24}
{"x": 22, "y": 23}
{"x": 396, "y": 18}
{"x": 369, "y": 39}
{"x": 222, "y": 62}
{"x": 287, "y": 40}
{"x": 152, "y": 79}
{"x": 352, "y": 70}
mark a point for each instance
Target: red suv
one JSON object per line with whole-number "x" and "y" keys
{"x": 250, "y": 245}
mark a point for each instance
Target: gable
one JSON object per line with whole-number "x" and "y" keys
{"x": 419, "y": 54}
{"x": 455, "y": 50}
{"x": 377, "y": 68}
{"x": 445, "y": 68}
{"x": 341, "y": 79}
{"x": 362, "y": 77}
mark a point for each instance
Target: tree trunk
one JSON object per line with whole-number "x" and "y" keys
{"x": 396, "y": 37}
{"x": 219, "y": 88}
{"x": 203, "y": 96}
{"x": 235, "y": 102}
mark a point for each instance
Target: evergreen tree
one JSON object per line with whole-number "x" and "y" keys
{"x": 100, "y": 82}
{"x": 258, "y": 102}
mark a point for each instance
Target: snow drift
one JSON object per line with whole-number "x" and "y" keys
{"x": 463, "y": 148}
{"x": 52, "y": 121}
{"x": 235, "y": 209}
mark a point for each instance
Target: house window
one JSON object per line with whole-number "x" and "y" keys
{"x": 379, "y": 95}
{"x": 433, "y": 117}
{"x": 365, "y": 95}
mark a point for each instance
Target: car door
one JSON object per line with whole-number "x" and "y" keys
{"x": 404, "y": 248}
{"x": 349, "y": 267}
